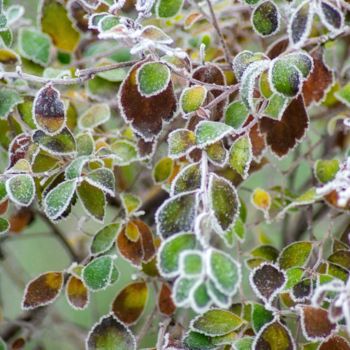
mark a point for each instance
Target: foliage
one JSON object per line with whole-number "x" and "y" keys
{"x": 191, "y": 158}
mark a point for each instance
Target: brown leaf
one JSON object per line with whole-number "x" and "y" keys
{"x": 319, "y": 80}
{"x": 277, "y": 47}
{"x": 145, "y": 114}
{"x": 257, "y": 140}
{"x": 77, "y": 293}
{"x": 165, "y": 301}
{"x": 18, "y": 149}
{"x": 335, "y": 343}
{"x": 283, "y": 135}
{"x": 20, "y": 220}
{"x": 131, "y": 251}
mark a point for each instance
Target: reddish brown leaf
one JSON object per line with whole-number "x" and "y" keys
{"x": 257, "y": 140}
{"x": 335, "y": 343}
{"x": 18, "y": 148}
{"x": 132, "y": 251}
{"x": 319, "y": 80}
{"x": 277, "y": 47}
{"x": 3, "y": 206}
{"x": 76, "y": 292}
{"x": 130, "y": 302}
{"x": 283, "y": 135}
{"x": 18, "y": 344}
{"x": 20, "y": 220}
{"x": 145, "y": 114}
{"x": 165, "y": 301}
{"x": 147, "y": 240}
{"x": 315, "y": 323}
{"x": 42, "y": 290}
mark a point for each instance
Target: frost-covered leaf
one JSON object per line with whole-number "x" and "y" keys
{"x": 216, "y": 322}
{"x": 243, "y": 60}
{"x": 217, "y": 153}
{"x": 240, "y": 156}
{"x": 21, "y": 189}
{"x": 236, "y": 114}
{"x": 103, "y": 179}
{"x": 267, "y": 280}
{"x": 97, "y": 273}
{"x": 131, "y": 203}
{"x": 94, "y": 116}
{"x": 198, "y": 341}
{"x": 191, "y": 263}
{"x": 55, "y": 21}
{"x": 188, "y": 179}
{"x": 260, "y": 316}
{"x": 223, "y": 271}
{"x": 261, "y": 199}
{"x": 132, "y": 232}
{"x": 60, "y": 144}
{"x": 168, "y": 8}
{"x": 192, "y": 98}
{"x": 4, "y": 226}
{"x": 200, "y": 300}
{"x": 109, "y": 333}
{"x": 182, "y": 290}
{"x": 223, "y": 202}
{"x": 335, "y": 343}
{"x": 266, "y": 18}
{"x": 176, "y": 214}
{"x": 9, "y": 99}
{"x": 163, "y": 169}
{"x": 181, "y": 142}
{"x": 152, "y": 78}
{"x": 58, "y": 199}
{"x": 170, "y": 250}
{"x": 49, "y": 113}
{"x": 130, "y": 302}
{"x": 165, "y": 301}
{"x": 76, "y": 293}
{"x": 104, "y": 238}
{"x": 208, "y": 132}
{"x": 42, "y": 290}
{"x": 276, "y": 106}
{"x": 295, "y": 255}
{"x": 125, "y": 152}
{"x": 341, "y": 258}
{"x": 85, "y": 144}
{"x": 244, "y": 343}
{"x": 343, "y": 95}
{"x": 315, "y": 323}
{"x": 331, "y": 17}
{"x": 75, "y": 168}
{"x": 34, "y": 45}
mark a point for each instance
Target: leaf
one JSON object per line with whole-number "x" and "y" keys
{"x": 109, "y": 333}
{"x": 104, "y": 238}
{"x": 244, "y": 343}
{"x": 165, "y": 301}
{"x": 21, "y": 189}
{"x": 56, "y": 23}
{"x": 60, "y": 144}
{"x": 97, "y": 274}
{"x": 77, "y": 294}
{"x": 261, "y": 199}
{"x": 182, "y": 290}
{"x": 283, "y": 135}
{"x": 93, "y": 200}
{"x": 181, "y": 142}
{"x": 188, "y": 179}
{"x": 199, "y": 298}
{"x": 85, "y": 144}
{"x": 296, "y": 254}
{"x": 236, "y": 114}
{"x": 34, "y": 45}
{"x": 191, "y": 263}
{"x": 168, "y": 8}
{"x": 132, "y": 232}
{"x": 94, "y": 116}
{"x": 208, "y": 132}
{"x": 163, "y": 169}
{"x": 315, "y": 323}
{"x": 341, "y": 258}
{"x": 130, "y": 302}
{"x": 199, "y": 341}
{"x": 343, "y": 95}
{"x": 216, "y": 322}
{"x": 276, "y": 106}
{"x": 240, "y": 156}
{"x": 4, "y": 226}
{"x": 169, "y": 253}
{"x": 9, "y": 99}
{"x": 155, "y": 109}
{"x": 223, "y": 202}
{"x": 335, "y": 343}
{"x": 266, "y": 18}
{"x": 192, "y": 98}
{"x": 267, "y": 281}
{"x": 131, "y": 203}
{"x": 300, "y": 24}
{"x": 42, "y": 290}
{"x": 330, "y": 16}
{"x": 176, "y": 214}
{"x": 125, "y": 152}
{"x": 224, "y": 272}
{"x": 260, "y": 316}
{"x": 243, "y": 60}
{"x": 274, "y": 335}
{"x": 103, "y": 179}
{"x": 217, "y": 153}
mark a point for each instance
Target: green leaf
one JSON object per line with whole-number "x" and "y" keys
{"x": 93, "y": 200}
{"x": 34, "y": 45}
{"x": 220, "y": 299}
{"x": 325, "y": 170}
{"x": 182, "y": 289}
{"x": 200, "y": 300}
{"x": 3, "y": 192}
{"x": 191, "y": 263}
{"x": 199, "y": 341}
{"x": 343, "y": 95}
{"x": 163, "y": 169}
{"x": 266, "y": 18}
{"x": 4, "y": 227}
{"x": 110, "y": 334}
{"x": 152, "y": 78}
{"x": 103, "y": 179}
{"x": 236, "y": 114}
{"x": 260, "y": 316}
{"x": 295, "y": 255}
{"x": 170, "y": 250}
{"x": 244, "y": 343}
{"x": 58, "y": 199}
{"x": 224, "y": 203}
{"x": 97, "y": 273}
{"x": 168, "y": 8}
{"x": 188, "y": 179}
{"x": 216, "y": 322}
{"x": 125, "y": 152}
{"x": 176, "y": 214}
{"x": 9, "y": 99}
{"x": 21, "y": 189}
{"x": 243, "y": 60}
{"x": 240, "y": 156}
{"x": 94, "y": 116}
{"x": 131, "y": 203}
{"x": 104, "y": 238}
{"x": 276, "y": 106}
{"x": 192, "y": 98}
{"x": 85, "y": 144}
{"x": 224, "y": 272}
{"x": 181, "y": 142}
{"x": 208, "y": 132}
{"x": 75, "y": 168}
{"x": 294, "y": 275}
